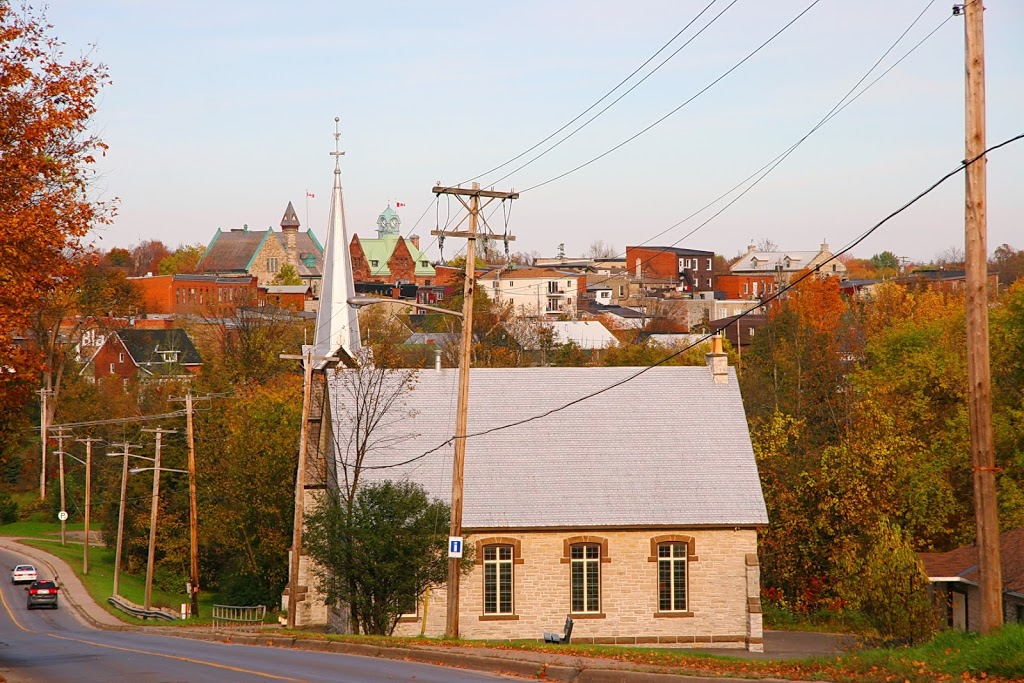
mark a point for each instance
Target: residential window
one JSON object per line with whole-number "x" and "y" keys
{"x": 374, "y": 263}
{"x": 120, "y": 358}
{"x": 425, "y": 264}
{"x": 746, "y": 289}
{"x": 272, "y": 264}
{"x": 585, "y": 577}
{"x": 568, "y": 284}
{"x": 622, "y": 290}
{"x": 552, "y": 287}
{"x": 111, "y": 368}
{"x": 672, "y": 577}
{"x": 709, "y": 282}
{"x": 498, "y": 579}
{"x": 709, "y": 264}
{"x": 553, "y": 306}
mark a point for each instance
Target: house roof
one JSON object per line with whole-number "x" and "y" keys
{"x": 234, "y": 251}
{"x": 529, "y": 274}
{"x": 678, "y": 251}
{"x": 620, "y": 311}
{"x": 380, "y": 249}
{"x": 145, "y": 347}
{"x": 434, "y": 338}
{"x": 962, "y": 563}
{"x": 287, "y": 289}
{"x": 586, "y": 334}
{"x": 593, "y": 464}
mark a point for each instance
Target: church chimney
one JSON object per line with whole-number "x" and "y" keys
{"x": 290, "y": 231}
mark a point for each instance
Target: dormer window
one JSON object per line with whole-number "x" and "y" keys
{"x": 425, "y": 264}
{"x": 374, "y": 263}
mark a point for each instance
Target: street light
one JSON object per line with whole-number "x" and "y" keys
{"x": 461, "y": 422}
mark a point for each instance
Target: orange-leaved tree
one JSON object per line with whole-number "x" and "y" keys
{"x": 46, "y": 153}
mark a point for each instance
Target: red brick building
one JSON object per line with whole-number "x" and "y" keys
{"x": 147, "y": 355}
{"x": 746, "y": 286}
{"x": 691, "y": 269}
{"x": 198, "y": 294}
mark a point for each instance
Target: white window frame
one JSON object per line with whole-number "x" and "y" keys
{"x": 581, "y": 570}
{"x": 677, "y": 553}
{"x": 499, "y": 564}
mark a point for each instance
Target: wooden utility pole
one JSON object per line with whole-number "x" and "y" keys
{"x": 88, "y": 498}
{"x": 193, "y": 515}
{"x": 461, "y": 420}
{"x": 154, "y": 509}
{"x": 43, "y": 432}
{"x": 294, "y": 589}
{"x": 61, "y": 435}
{"x": 120, "y": 517}
{"x": 990, "y": 581}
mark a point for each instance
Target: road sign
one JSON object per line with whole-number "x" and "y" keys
{"x": 63, "y": 516}
{"x": 455, "y": 546}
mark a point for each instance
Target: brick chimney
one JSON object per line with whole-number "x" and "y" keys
{"x": 415, "y": 239}
{"x": 290, "y": 231}
{"x": 718, "y": 361}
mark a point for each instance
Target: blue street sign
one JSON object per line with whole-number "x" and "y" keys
{"x": 455, "y": 546}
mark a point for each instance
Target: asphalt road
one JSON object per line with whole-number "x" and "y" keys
{"x": 53, "y": 646}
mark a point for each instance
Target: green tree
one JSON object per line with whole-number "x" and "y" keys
{"x": 287, "y": 276}
{"x": 885, "y": 261}
{"x": 183, "y": 260}
{"x": 382, "y": 557}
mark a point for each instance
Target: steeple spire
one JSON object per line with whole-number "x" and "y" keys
{"x": 337, "y": 323}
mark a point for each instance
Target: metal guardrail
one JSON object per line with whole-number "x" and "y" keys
{"x": 239, "y": 618}
{"x": 141, "y": 612}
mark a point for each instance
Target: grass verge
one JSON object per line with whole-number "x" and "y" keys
{"x": 99, "y": 582}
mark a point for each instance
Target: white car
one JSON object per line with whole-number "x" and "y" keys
{"x": 24, "y": 573}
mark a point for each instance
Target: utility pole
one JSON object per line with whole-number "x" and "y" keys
{"x": 61, "y": 435}
{"x": 43, "y": 431}
{"x": 89, "y": 441}
{"x": 308, "y": 361}
{"x": 193, "y": 516}
{"x": 159, "y": 431}
{"x": 120, "y": 516}
{"x": 986, "y": 511}
{"x": 461, "y": 420}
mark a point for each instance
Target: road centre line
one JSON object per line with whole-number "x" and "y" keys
{"x": 215, "y": 665}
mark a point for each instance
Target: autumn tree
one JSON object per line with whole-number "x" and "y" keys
{"x": 1008, "y": 263}
{"x": 599, "y": 250}
{"x": 147, "y": 255}
{"x": 46, "y": 155}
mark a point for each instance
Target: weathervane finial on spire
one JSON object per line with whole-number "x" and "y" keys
{"x": 337, "y": 153}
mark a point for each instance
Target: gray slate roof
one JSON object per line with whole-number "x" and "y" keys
{"x": 635, "y": 455}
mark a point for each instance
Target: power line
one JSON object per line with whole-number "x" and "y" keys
{"x": 603, "y": 97}
{"x": 964, "y": 164}
{"x": 672, "y": 112}
{"x": 620, "y": 97}
{"x": 760, "y": 174}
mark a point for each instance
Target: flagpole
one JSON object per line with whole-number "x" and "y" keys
{"x": 308, "y": 226}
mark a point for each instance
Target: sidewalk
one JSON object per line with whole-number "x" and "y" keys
{"x": 548, "y": 666}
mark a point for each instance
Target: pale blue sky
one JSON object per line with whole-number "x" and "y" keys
{"x": 222, "y": 112}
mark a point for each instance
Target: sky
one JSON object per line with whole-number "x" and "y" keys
{"x": 220, "y": 113}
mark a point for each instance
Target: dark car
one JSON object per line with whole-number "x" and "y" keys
{"x": 42, "y": 594}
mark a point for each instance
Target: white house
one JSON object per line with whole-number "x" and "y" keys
{"x": 535, "y": 292}
{"x": 642, "y": 526}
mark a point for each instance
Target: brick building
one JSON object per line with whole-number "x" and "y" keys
{"x": 213, "y": 296}
{"x": 390, "y": 258}
{"x": 147, "y": 355}
{"x": 690, "y": 270}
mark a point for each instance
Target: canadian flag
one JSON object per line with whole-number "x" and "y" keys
{"x": 311, "y": 195}
{"x": 399, "y": 205}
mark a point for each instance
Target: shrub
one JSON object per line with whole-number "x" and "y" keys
{"x": 8, "y": 508}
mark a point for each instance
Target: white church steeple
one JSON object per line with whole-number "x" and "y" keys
{"x": 337, "y": 323}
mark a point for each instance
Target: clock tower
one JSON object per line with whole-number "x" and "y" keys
{"x": 388, "y": 223}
